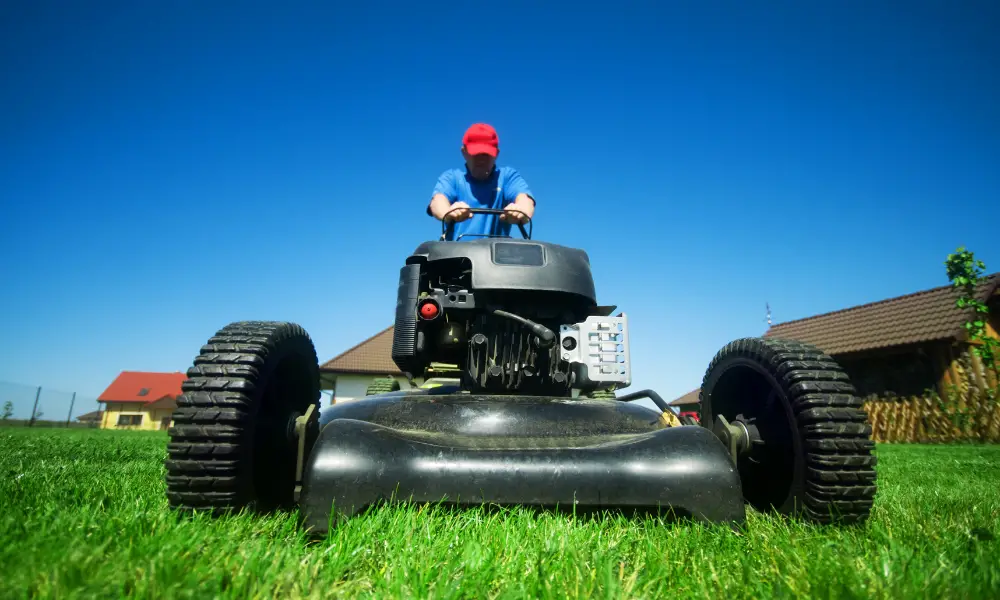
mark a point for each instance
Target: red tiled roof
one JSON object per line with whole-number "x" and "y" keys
{"x": 372, "y": 356}
{"x": 164, "y": 403}
{"x": 924, "y": 316}
{"x": 140, "y": 386}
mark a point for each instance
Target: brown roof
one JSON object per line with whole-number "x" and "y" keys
{"x": 372, "y": 356}
{"x": 91, "y": 416}
{"x": 688, "y": 398}
{"x": 919, "y": 317}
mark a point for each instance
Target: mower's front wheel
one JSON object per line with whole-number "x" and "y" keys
{"x": 794, "y": 421}
{"x": 233, "y": 443}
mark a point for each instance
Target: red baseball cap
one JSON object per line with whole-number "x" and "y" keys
{"x": 481, "y": 139}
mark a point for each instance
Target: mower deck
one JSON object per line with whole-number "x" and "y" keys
{"x": 471, "y": 449}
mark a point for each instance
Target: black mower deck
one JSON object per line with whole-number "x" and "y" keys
{"x": 463, "y": 449}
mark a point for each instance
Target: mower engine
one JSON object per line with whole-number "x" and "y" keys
{"x": 515, "y": 316}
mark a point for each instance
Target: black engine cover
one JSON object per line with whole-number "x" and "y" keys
{"x": 513, "y": 264}
{"x": 467, "y": 282}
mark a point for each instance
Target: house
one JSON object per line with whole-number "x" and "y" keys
{"x": 141, "y": 400}
{"x": 92, "y": 418}
{"x": 688, "y": 404}
{"x": 905, "y": 345}
{"x": 363, "y": 369}
{"x": 899, "y": 347}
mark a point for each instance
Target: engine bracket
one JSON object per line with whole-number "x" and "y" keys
{"x": 301, "y": 429}
{"x": 601, "y": 345}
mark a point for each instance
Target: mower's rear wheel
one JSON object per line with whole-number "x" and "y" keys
{"x": 233, "y": 444}
{"x": 811, "y": 452}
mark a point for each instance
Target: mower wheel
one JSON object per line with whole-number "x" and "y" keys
{"x": 233, "y": 443}
{"x": 805, "y": 445}
{"x": 382, "y": 386}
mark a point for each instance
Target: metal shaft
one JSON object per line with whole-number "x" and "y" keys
{"x": 34, "y": 409}
{"x": 70, "y": 415}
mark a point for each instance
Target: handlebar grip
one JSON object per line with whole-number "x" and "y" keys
{"x": 448, "y": 227}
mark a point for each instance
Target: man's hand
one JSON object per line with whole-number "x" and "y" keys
{"x": 458, "y": 212}
{"x": 444, "y": 210}
{"x": 520, "y": 211}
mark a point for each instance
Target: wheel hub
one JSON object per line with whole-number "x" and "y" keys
{"x": 740, "y": 437}
{"x": 291, "y": 427}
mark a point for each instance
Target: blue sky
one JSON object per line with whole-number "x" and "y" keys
{"x": 167, "y": 169}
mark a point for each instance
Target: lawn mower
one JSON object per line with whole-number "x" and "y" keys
{"x": 780, "y": 426}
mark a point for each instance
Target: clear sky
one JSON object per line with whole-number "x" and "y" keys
{"x": 166, "y": 168}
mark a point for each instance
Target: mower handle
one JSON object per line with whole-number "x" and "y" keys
{"x": 449, "y": 226}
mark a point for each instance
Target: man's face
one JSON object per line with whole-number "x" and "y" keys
{"x": 479, "y": 165}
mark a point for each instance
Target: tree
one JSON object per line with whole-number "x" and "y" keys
{"x": 8, "y": 410}
{"x": 973, "y": 412}
{"x": 966, "y": 273}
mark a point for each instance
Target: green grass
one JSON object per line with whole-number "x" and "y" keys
{"x": 83, "y": 514}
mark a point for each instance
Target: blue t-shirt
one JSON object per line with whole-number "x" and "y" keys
{"x": 496, "y": 191}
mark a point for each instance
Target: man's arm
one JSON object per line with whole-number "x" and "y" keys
{"x": 525, "y": 203}
{"x": 445, "y": 192}
{"x": 518, "y": 198}
{"x": 439, "y": 206}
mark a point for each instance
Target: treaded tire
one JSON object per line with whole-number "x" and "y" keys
{"x": 382, "y": 386}
{"x": 232, "y": 443}
{"x": 816, "y": 460}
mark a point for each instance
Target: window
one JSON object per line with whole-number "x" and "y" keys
{"x": 144, "y": 391}
{"x": 129, "y": 420}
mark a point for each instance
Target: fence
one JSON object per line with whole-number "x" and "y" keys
{"x": 960, "y": 417}
{"x": 39, "y": 406}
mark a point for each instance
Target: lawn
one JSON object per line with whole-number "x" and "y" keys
{"x": 83, "y": 514}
